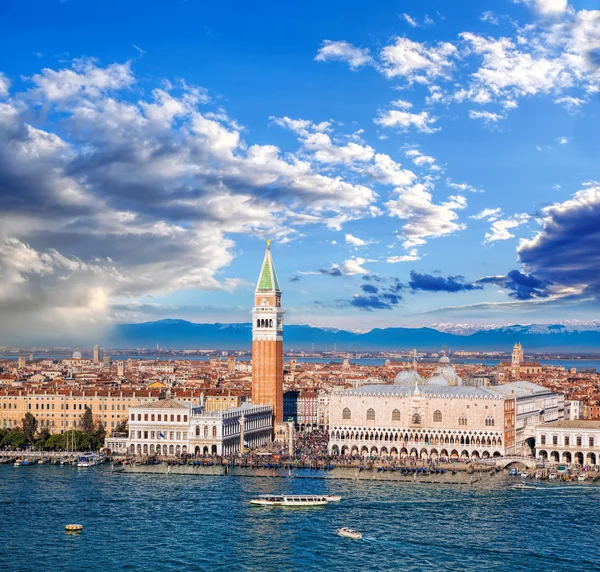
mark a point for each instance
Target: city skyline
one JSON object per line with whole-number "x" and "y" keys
{"x": 412, "y": 165}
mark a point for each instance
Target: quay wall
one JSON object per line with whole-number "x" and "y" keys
{"x": 344, "y": 473}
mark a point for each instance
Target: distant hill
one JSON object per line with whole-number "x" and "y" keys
{"x": 172, "y": 334}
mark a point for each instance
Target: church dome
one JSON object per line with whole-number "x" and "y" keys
{"x": 445, "y": 374}
{"x": 77, "y": 354}
{"x": 407, "y": 377}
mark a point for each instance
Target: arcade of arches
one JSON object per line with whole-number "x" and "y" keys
{"x": 378, "y": 442}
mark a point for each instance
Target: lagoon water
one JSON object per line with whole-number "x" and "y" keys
{"x": 180, "y": 522}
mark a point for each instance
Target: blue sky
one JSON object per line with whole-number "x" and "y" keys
{"x": 414, "y": 163}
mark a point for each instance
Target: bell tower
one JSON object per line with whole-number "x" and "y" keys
{"x": 267, "y": 339}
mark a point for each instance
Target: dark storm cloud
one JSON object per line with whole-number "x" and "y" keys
{"x": 521, "y": 286}
{"x": 331, "y": 272}
{"x": 566, "y": 252}
{"x": 369, "y": 289}
{"x": 431, "y": 283}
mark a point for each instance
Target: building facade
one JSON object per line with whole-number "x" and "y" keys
{"x": 168, "y": 427}
{"x": 267, "y": 340}
{"x": 569, "y": 441}
{"x": 436, "y": 417}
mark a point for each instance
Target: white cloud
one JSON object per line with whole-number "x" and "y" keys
{"x": 411, "y": 21}
{"x": 549, "y": 7}
{"x": 417, "y": 61}
{"x": 85, "y": 79}
{"x": 343, "y": 51}
{"x": 385, "y": 170}
{"x": 462, "y": 187}
{"x": 402, "y": 104}
{"x": 354, "y": 240}
{"x": 410, "y": 257}
{"x": 354, "y": 266}
{"x": 487, "y": 116}
{"x": 570, "y": 102}
{"x": 488, "y": 214}
{"x": 424, "y": 218}
{"x": 4, "y": 85}
{"x": 403, "y": 119}
{"x": 500, "y": 228}
{"x": 421, "y": 160}
{"x": 563, "y": 140}
{"x": 490, "y": 17}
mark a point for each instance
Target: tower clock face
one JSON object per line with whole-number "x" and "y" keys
{"x": 264, "y": 302}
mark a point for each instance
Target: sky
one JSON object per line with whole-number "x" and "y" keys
{"x": 413, "y": 163}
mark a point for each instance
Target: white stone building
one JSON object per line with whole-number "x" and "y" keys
{"x": 169, "y": 428}
{"x": 437, "y": 417}
{"x": 535, "y": 405}
{"x": 569, "y": 441}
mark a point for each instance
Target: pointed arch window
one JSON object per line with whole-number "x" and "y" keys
{"x": 416, "y": 419}
{"x": 396, "y": 415}
{"x": 370, "y": 414}
{"x": 437, "y": 416}
{"x": 346, "y": 414}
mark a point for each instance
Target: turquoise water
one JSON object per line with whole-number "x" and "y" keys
{"x": 177, "y": 522}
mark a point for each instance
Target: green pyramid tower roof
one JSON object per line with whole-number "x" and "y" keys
{"x": 268, "y": 278}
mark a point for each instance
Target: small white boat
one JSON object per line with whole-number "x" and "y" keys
{"x": 43, "y": 461}
{"x": 553, "y": 476}
{"x": 333, "y": 498}
{"x": 290, "y": 500}
{"x": 349, "y": 533}
{"x": 88, "y": 460}
{"x": 18, "y": 463}
{"x": 582, "y": 477}
{"x": 523, "y": 486}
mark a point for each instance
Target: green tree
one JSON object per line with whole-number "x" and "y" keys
{"x": 13, "y": 439}
{"x": 100, "y": 434}
{"x": 29, "y": 423}
{"x": 87, "y": 422}
{"x": 43, "y": 434}
{"x": 122, "y": 426}
{"x": 55, "y": 443}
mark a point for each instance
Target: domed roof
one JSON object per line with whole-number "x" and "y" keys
{"x": 407, "y": 377}
{"x": 444, "y": 374}
{"x": 76, "y": 354}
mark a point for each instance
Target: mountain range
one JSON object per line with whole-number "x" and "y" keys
{"x": 181, "y": 334}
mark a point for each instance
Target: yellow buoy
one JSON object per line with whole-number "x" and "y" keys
{"x": 74, "y": 527}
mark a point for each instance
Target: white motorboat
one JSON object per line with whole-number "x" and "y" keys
{"x": 87, "y": 460}
{"x": 349, "y": 533}
{"x": 333, "y": 498}
{"x": 581, "y": 477}
{"x": 523, "y": 486}
{"x": 290, "y": 500}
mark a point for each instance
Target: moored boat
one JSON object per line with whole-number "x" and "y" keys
{"x": 333, "y": 498}
{"x": 87, "y": 460}
{"x": 349, "y": 533}
{"x": 290, "y": 500}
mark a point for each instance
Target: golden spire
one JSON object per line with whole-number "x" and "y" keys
{"x": 269, "y": 243}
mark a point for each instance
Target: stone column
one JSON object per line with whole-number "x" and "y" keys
{"x": 242, "y": 427}
{"x": 291, "y": 438}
